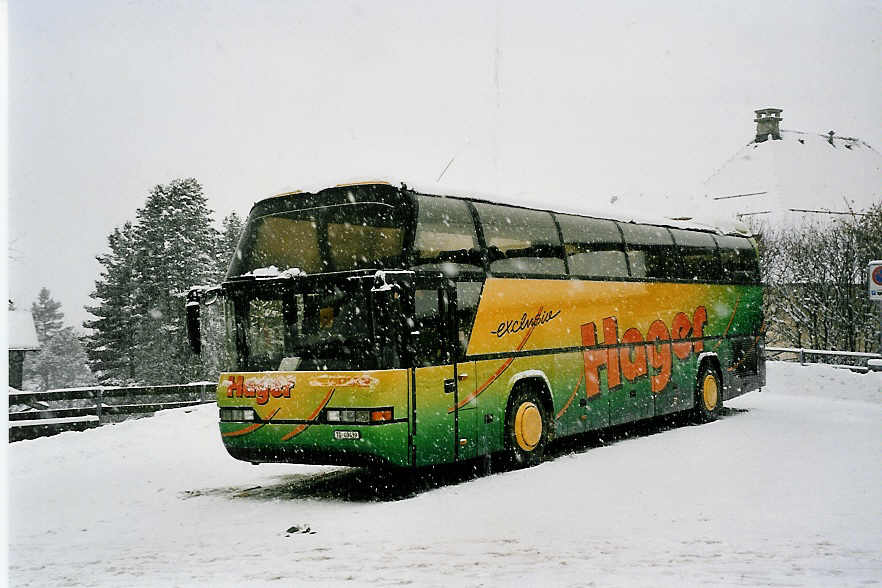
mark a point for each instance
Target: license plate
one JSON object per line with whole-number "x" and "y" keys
{"x": 347, "y": 434}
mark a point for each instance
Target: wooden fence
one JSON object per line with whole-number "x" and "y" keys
{"x": 40, "y": 414}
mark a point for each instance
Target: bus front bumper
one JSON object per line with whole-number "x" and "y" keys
{"x": 323, "y": 444}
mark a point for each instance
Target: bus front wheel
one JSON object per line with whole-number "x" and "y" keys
{"x": 708, "y": 395}
{"x": 526, "y": 429}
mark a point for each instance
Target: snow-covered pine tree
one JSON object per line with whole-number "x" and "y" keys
{"x": 231, "y": 230}
{"x": 110, "y": 346}
{"x": 215, "y": 355}
{"x": 48, "y": 318}
{"x": 60, "y": 362}
{"x": 175, "y": 248}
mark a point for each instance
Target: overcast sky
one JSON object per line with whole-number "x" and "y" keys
{"x": 557, "y": 102}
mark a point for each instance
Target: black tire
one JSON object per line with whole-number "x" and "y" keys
{"x": 524, "y": 446}
{"x": 708, "y": 394}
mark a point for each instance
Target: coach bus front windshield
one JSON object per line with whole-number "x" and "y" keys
{"x": 331, "y": 328}
{"x": 342, "y": 237}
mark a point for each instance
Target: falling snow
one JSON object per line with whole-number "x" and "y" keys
{"x": 783, "y": 490}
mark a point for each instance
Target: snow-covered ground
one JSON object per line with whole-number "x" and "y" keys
{"x": 785, "y": 490}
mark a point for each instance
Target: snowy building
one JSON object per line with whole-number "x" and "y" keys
{"x": 22, "y": 337}
{"x": 784, "y": 177}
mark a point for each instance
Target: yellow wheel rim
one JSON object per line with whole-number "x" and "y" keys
{"x": 709, "y": 392}
{"x": 528, "y": 426}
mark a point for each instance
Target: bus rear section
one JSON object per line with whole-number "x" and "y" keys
{"x": 333, "y": 417}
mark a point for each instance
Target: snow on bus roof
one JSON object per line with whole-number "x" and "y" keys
{"x": 721, "y": 224}
{"x": 624, "y": 215}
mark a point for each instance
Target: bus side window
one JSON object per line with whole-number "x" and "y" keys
{"x": 429, "y": 339}
{"x": 593, "y": 247}
{"x": 467, "y": 296}
{"x": 651, "y": 251}
{"x": 698, "y": 256}
{"x": 738, "y": 257}
{"x": 521, "y": 241}
{"x": 445, "y": 238}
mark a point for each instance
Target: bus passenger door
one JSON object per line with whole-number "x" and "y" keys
{"x": 443, "y": 410}
{"x": 467, "y": 407}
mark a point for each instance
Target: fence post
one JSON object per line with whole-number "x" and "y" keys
{"x": 802, "y": 356}
{"x": 99, "y": 400}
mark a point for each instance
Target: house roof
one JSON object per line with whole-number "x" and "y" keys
{"x": 801, "y": 176}
{"x": 22, "y": 335}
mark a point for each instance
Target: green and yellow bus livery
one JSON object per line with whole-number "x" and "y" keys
{"x": 372, "y": 324}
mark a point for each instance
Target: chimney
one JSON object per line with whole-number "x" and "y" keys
{"x": 767, "y": 121}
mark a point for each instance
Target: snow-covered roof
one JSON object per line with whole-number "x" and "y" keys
{"x": 22, "y": 335}
{"x": 801, "y": 176}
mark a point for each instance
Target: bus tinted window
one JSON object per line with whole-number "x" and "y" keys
{"x": 593, "y": 247}
{"x": 468, "y": 294}
{"x": 650, "y": 251}
{"x": 521, "y": 241}
{"x": 428, "y": 331}
{"x": 698, "y": 256}
{"x": 355, "y": 245}
{"x": 445, "y": 236}
{"x": 361, "y": 235}
{"x": 739, "y": 260}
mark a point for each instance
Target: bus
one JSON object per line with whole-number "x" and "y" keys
{"x": 372, "y": 324}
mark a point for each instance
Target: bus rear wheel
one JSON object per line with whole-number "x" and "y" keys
{"x": 708, "y": 395}
{"x": 526, "y": 429}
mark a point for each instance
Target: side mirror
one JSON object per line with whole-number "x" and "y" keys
{"x": 194, "y": 333}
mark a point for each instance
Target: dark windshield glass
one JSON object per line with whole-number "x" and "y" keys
{"x": 362, "y": 235}
{"x": 329, "y": 329}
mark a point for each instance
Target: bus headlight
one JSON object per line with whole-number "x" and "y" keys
{"x": 359, "y": 416}
{"x": 237, "y": 415}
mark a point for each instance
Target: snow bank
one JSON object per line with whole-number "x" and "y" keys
{"x": 784, "y": 490}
